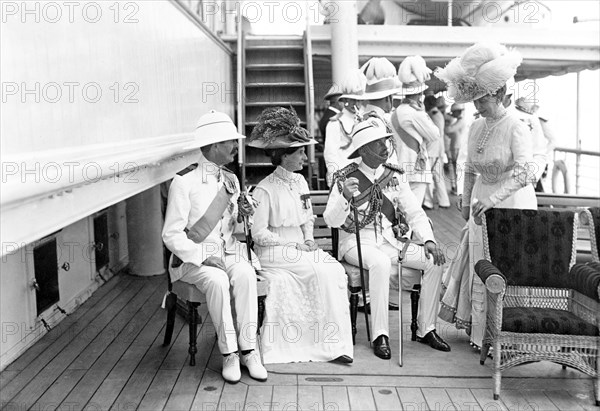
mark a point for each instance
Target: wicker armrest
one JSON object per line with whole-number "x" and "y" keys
{"x": 585, "y": 278}
{"x": 494, "y": 280}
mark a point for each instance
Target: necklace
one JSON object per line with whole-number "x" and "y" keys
{"x": 488, "y": 130}
{"x": 289, "y": 180}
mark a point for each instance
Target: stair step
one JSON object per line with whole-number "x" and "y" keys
{"x": 276, "y": 47}
{"x": 278, "y": 84}
{"x": 281, "y": 66}
{"x": 276, "y": 103}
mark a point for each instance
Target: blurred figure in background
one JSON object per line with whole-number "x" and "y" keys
{"x": 523, "y": 109}
{"x": 413, "y": 129}
{"x": 550, "y": 140}
{"x": 457, "y": 130}
{"x": 436, "y": 193}
{"x": 334, "y": 108}
{"x": 339, "y": 127}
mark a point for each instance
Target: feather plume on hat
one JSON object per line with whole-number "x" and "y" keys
{"x": 482, "y": 69}
{"x": 413, "y": 73}
{"x": 382, "y": 80}
{"x": 353, "y": 85}
{"x": 378, "y": 68}
{"x": 414, "y": 69}
{"x": 279, "y": 127}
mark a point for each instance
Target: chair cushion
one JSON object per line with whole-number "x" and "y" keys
{"x": 528, "y": 320}
{"x": 531, "y": 247}
{"x": 188, "y": 292}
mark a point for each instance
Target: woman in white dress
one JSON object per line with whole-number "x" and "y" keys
{"x": 498, "y": 173}
{"x": 307, "y": 315}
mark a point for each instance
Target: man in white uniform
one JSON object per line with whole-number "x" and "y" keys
{"x": 201, "y": 216}
{"x": 413, "y": 127}
{"x": 383, "y": 198}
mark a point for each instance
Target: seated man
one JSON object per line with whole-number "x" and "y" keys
{"x": 382, "y": 195}
{"x": 201, "y": 214}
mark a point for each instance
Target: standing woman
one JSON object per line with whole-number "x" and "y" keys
{"x": 307, "y": 312}
{"x": 498, "y": 172}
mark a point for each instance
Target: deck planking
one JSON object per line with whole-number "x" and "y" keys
{"x": 108, "y": 354}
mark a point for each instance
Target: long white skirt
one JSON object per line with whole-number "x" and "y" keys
{"x": 307, "y": 315}
{"x": 522, "y": 199}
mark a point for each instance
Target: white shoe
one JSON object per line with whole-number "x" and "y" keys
{"x": 255, "y": 368}
{"x": 231, "y": 368}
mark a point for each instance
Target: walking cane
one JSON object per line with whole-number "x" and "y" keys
{"x": 360, "y": 266}
{"x": 248, "y": 235}
{"x": 401, "y": 256}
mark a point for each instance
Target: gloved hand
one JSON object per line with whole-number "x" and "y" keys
{"x": 246, "y": 205}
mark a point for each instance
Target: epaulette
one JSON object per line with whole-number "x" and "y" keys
{"x": 230, "y": 175}
{"x": 189, "y": 168}
{"x": 394, "y": 167}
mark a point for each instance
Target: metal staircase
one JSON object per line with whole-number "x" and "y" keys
{"x": 272, "y": 71}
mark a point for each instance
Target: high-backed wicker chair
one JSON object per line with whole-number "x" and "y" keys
{"x": 591, "y": 217}
{"x": 539, "y": 305}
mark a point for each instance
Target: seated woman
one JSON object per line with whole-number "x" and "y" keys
{"x": 307, "y": 315}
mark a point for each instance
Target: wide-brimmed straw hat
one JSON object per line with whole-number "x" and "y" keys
{"x": 366, "y": 131}
{"x": 333, "y": 92}
{"x": 382, "y": 80}
{"x": 482, "y": 69}
{"x": 413, "y": 73}
{"x": 215, "y": 127}
{"x": 279, "y": 127}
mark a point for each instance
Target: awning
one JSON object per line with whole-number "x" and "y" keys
{"x": 545, "y": 51}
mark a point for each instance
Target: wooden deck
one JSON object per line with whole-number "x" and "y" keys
{"x": 108, "y": 355}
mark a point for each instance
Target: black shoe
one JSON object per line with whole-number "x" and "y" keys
{"x": 381, "y": 347}
{"x": 434, "y": 341}
{"x": 344, "y": 359}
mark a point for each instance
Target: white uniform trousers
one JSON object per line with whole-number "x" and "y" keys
{"x": 239, "y": 282}
{"x": 418, "y": 188}
{"x": 380, "y": 261}
{"x": 438, "y": 187}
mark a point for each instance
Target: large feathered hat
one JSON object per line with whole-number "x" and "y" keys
{"x": 382, "y": 80}
{"x": 279, "y": 127}
{"x": 413, "y": 73}
{"x": 482, "y": 69}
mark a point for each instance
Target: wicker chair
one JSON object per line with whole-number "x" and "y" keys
{"x": 540, "y": 306}
{"x": 591, "y": 218}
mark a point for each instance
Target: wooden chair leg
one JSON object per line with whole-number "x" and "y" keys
{"x": 171, "y": 306}
{"x": 414, "y": 309}
{"x": 485, "y": 349}
{"x": 193, "y": 327}
{"x": 353, "y": 314}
